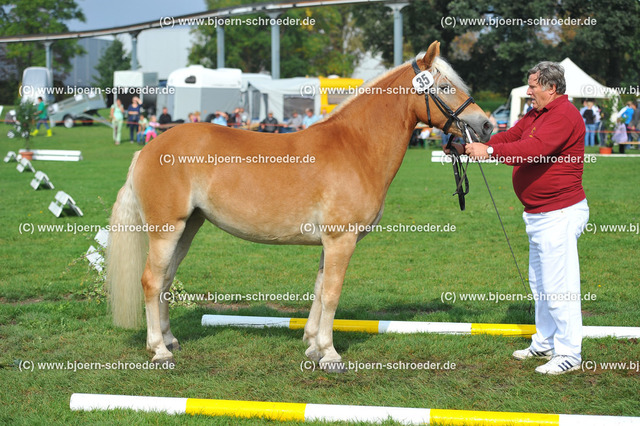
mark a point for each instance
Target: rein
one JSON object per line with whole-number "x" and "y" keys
{"x": 459, "y": 171}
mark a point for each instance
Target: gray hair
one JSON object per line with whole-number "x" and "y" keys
{"x": 550, "y": 74}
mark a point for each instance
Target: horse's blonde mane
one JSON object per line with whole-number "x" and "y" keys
{"x": 442, "y": 70}
{"x": 445, "y": 70}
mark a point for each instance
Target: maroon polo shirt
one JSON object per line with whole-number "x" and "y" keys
{"x": 546, "y": 148}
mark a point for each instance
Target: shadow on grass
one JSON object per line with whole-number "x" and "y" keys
{"x": 186, "y": 323}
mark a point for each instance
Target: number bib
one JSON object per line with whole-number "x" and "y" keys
{"x": 423, "y": 81}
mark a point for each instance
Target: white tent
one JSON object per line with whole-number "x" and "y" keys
{"x": 579, "y": 85}
{"x": 283, "y": 96}
{"x": 197, "y": 88}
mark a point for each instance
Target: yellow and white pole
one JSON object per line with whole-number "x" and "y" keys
{"x": 323, "y": 412}
{"x": 374, "y": 326}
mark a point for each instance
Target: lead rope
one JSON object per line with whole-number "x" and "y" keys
{"x": 467, "y": 136}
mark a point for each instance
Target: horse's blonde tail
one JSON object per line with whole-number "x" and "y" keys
{"x": 126, "y": 255}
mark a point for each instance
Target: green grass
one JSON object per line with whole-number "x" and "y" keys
{"x": 45, "y": 316}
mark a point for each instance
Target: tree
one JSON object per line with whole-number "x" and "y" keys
{"x": 609, "y": 49}
{"x": 113, "y": 59}
{"x": 39, "y": 17}
{"x": 422, "y": 24}
{"x": 496, "y": 57}
{"x": 503, "y": 52}
{"x": 24, "y": 121}
{"x": 328, "y": 46}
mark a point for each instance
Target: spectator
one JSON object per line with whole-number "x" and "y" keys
{"x": 165, "y": 118}
{"x": 117, "y": 120}
{"x": 309, "y": 119}
{"x": 269, "y": 124}
{"x": 589, "y": 116}
{"x": 133, "y": 117}
{"x": 627, "y": 115}
{"x": 584, "y": 108}
{"x": 520, "y": 116}
{"x": 142, "y": 127}
{"x": 599, "y": 123}
{"x": 42, "y": 116}
{"x": 492, "y": 120}
{"x": 527, "y": 106}
{"x": 150, "y": 131}
{"x": 423, "y": 136}
{"x": 243, "y": 115}
{"x": 236, "y": 119}
{"x": 221, "y": 118}
{"x": 296, "y": 121}
{"x": 620, "y": 134}
{"x": 635, "y": 125}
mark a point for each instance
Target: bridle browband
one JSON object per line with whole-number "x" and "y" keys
{"x": 459, "y": 172}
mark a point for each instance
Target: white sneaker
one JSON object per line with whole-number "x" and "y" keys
{"x": 559, "y": 364}
{"x": 523, "y": 354}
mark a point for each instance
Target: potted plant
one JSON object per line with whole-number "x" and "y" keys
{"x": 609, "y": 112}
{"x": 24, "y": 123}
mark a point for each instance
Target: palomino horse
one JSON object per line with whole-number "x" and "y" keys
{"x": 357, "y": 150}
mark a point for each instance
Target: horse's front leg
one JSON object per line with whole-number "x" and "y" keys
{"x": 313, "y": 322}
{"x": 337, "y": 254}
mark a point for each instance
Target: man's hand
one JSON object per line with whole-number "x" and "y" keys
{"x": 458, "y": 147}
{"x": 477, "y": 151}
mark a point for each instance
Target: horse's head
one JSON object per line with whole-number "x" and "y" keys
{"x": 448, "y": 97}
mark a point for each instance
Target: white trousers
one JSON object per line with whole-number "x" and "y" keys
{"x": 554, "y": 277}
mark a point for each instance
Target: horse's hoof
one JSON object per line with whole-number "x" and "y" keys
{"x": 174, "y": 347}
{"x": 334, "y": 367}
{"x": 313, "y": 355}
{"x": 165, "y": 363}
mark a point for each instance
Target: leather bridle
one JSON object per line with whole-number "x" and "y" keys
{"x": 459, "y": 171}
{"x": 442, "y": 106}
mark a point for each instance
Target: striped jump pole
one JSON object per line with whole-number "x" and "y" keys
{"x": 331, "y": 413}
{"x": 375, "y": 327}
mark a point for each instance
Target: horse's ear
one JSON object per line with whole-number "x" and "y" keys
{"x": 427, "y": 60}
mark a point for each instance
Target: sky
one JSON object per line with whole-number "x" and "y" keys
{"x": 115, "y": 13}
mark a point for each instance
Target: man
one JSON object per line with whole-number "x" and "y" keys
{"x": 269, "y": 124}
{"x": 42, "y": 117}
{"x": 296, "y": 121}
{"x": 165, "y": 119}
{"x": 236, "y": 119}
{"x": 546, "y": 149}
{"x": 309, "y": 118}
{"x": 220, "y": 118}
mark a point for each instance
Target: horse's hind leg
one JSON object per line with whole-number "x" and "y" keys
{"x": 313, "y": 322}
{"x": 161, "y": 250}
{"x": 191, "y": 228}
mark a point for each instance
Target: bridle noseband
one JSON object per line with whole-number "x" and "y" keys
{"x": 459, "y": 172}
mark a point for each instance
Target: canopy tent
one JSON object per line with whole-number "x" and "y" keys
{"x": 579, "y": 85}
{"x": 282, "y": 97}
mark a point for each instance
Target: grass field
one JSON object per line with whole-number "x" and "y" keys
{"x": 48, "y": 312}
